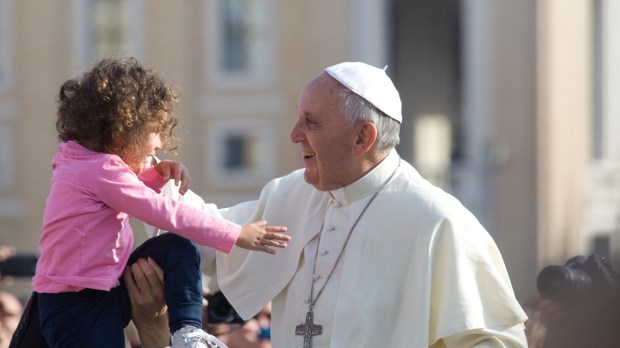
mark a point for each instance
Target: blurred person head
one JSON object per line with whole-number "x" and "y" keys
{"x": 6, "y": 252}
{"x": 11, "y": 310}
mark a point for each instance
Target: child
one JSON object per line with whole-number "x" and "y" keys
{"x": 110, "y": 123}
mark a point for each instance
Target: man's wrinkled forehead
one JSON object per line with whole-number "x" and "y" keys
{"x": 321, "y": 90}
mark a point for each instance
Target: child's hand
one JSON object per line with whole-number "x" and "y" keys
{"x": 258, "y": 236}
{"x": 177, "y": 171}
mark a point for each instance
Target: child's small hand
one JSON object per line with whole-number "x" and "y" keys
{"x": 177, "y": 171}
{"x": 258, "y": 236}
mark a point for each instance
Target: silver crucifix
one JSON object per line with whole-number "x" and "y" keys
{"x": 308, "y": 329}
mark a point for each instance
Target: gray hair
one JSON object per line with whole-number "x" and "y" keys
{"x": 358, "y": 109}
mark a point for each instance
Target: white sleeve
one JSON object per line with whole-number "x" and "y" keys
{"x": 207, "y": 254}
{"x": 497, "y": 337}
{"x": 191, "y": 198}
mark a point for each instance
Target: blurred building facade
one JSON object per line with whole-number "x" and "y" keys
{"x": 507, "y": 104}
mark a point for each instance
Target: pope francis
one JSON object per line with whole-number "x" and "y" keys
{"x": 379, "y": 257}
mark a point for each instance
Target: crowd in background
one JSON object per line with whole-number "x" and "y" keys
{"x": 255, "y": 333}
{"x": 11, "y": 307}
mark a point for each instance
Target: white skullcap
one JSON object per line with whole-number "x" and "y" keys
{"x": 370, "y": 83}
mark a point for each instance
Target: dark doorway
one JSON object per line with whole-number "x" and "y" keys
{"x": 426, "y": 66}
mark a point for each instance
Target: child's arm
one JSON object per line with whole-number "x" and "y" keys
{"x": 258, "y": 236}
{"x": 176, "y": 171}
{"x": 118, "y": 187}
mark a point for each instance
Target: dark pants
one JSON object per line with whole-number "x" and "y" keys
{"x": 28, "y": 332}
{"x": 95, "y": 318}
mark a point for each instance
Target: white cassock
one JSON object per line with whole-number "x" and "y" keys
{"x": 419, "y": 270}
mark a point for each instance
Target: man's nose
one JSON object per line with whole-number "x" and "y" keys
{"x": 296, "y": 133}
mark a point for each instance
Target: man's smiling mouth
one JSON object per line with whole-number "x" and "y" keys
{"x": 308, "y": 154}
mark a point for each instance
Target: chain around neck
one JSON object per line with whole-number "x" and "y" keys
{"x": 311, "y": 299}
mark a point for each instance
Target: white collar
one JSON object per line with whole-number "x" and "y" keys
{"x": 369, "y": 183}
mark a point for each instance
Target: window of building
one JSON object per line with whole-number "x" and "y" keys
{"x": 108, "y": 28}
{"x": 5, "y": 43}
{"x": 236, "y": 152}
{"x": 241, "y": 42}
{"x": 239, "y": 152}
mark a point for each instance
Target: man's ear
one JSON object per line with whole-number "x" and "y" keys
{"x": 366, "y": 138}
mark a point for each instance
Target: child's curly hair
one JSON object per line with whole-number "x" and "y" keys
{"x": 113, "y": 107}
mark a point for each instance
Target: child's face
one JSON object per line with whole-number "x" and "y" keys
{"x": 153, "y": 144}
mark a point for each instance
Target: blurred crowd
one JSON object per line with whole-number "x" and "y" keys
{"x": 551, "y": 324}
{"x": 253, "y": 333}
{"x": 11, "y": 307}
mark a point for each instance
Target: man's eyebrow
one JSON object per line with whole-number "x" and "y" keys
{"x": 306, "y": 113}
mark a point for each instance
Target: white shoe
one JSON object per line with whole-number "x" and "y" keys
{"x": 192, "y": 337}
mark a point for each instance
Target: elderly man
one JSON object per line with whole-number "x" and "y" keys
{"x": 379, "y": 257}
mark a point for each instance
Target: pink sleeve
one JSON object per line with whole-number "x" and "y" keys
{"x": 151, "y": 178}
{"x": 122, "y": 190}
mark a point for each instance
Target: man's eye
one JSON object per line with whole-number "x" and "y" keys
{"x": 311, "y": 123}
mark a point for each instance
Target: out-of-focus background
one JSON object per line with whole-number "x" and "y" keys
{"x": 511, "y": 105}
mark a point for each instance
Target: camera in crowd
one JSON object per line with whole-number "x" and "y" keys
{"x": 220, "y": 311}
{"x": 19, "y": 265}
{"x": 578, "y": 278}
{"x": 580, "y": 304}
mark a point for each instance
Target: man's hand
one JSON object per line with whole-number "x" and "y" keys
{"x": 145, "y": 285}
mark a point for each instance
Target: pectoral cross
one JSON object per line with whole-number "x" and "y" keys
{"x": 308, "y": 329}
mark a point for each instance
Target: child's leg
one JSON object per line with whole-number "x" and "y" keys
{"x": 88, "y": 318}
{"x": 180, "y": 260}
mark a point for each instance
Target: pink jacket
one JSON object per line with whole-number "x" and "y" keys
{"x": 86, "y": 237}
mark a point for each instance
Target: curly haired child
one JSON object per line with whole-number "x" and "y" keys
{"x": 110, "y": 122}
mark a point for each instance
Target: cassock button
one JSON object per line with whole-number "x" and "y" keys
{"x": 338, "y": 204}
{"x": 331, "y": 228}
{"x": 316, "y": 277}
{"x": 324, "y": 251}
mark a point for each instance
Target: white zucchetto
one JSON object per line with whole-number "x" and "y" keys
{"x": 370, "y": 83}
